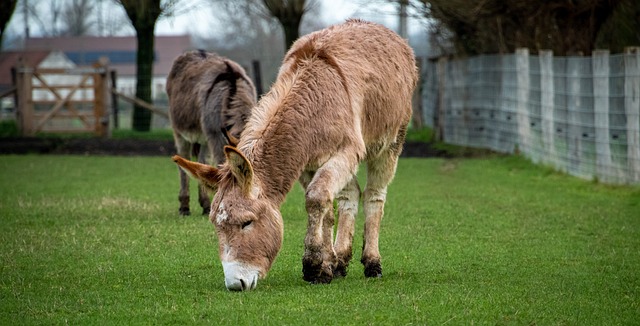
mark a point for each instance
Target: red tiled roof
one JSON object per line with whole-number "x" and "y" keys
{"x": 10, "y": 59}
{"x": 167, "y": 48}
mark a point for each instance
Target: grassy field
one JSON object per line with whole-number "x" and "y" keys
{"x": 97, "y": 240}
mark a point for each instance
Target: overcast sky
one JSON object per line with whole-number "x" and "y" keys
{"x": 194, "y": 21}
{"x": 198, "y": 22}
{"x": 333, "y": 11}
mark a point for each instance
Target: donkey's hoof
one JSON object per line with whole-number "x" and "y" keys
{"x": 315, "y": 273}
{"x": 184, "y": 211}
{"x": 323, "y": 278}
{"x": 206, "y": 211}
{"x": 340, "y": 270}
{"x": 373, "y": 269}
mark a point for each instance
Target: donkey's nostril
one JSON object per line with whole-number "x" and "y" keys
{"x": 238, "y": 277}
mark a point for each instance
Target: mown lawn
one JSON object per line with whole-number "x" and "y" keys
{"x": 97, "y": 240}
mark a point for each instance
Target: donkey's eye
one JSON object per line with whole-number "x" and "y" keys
{"x": 247, "y": 223}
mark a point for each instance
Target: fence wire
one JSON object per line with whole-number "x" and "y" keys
{"x": 580, "y": 115}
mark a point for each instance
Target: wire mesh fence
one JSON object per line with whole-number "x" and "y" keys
{"x": 580, "y": 115}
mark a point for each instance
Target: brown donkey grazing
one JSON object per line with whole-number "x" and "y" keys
{"x": 208, "y": 96}
{"x": 342, "y": 96}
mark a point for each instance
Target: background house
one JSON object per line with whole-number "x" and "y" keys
{"x": 121, "y": 52}
{"x": 39, "y": 59}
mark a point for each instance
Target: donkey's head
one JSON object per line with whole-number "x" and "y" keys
{"x": 248, "y": 225}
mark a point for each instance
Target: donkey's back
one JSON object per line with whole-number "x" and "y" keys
{"x": 208, "y": 95}
{"x": 378, "y": 72}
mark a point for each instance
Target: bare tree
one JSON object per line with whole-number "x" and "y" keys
{"x": 77, "y": 17}
{"x": 143, "y": 15}
{"x": 496, "y": 26}
{"x": 47, "y": 19}
{"x": 110, "y": 21}
{"x": 261, "y": 37}
{"x": 247, "y": 16}
{"x": 62, "y": 17}
{"x": 7, "y": 7}
{"x": 289, "y": 13}
{"x": 622, "y": 29}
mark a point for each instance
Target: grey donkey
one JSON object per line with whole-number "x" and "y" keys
{"x": 210, "y": 100}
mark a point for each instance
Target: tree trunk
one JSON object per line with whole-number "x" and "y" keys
{"x": 144, "y": 66}
{"x": 7, "y": 7}
{"x": 291, "y": 30}
{"x": 143, "y": 16}
{"x": 289, "y": 14}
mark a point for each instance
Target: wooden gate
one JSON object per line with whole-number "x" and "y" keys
{"x": 61, "y": 100}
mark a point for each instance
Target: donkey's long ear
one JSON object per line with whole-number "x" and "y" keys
{"x": 233, "y": 141}
{"x": 206, "y": 174}
{"x": 240, "y": 167}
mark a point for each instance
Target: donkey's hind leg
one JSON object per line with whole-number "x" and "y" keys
{"x": 183, "y": 147}
{"x": 203, "y": 195}
{"x": 348, "y": 200}
{"x": 380, "y": 171}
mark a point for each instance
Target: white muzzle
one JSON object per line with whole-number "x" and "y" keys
{"x": 239, "y": 277}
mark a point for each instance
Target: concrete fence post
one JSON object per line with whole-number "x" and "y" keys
{"x": 547, "y": 105}
{"x": 439, "y": 119}
{"x": 632, "y": 110}
{"x": 574, "y": 106}
{"x": 523, "y": 79}
{"x": 458, "y": 119}
{"x": 601, "y": 74}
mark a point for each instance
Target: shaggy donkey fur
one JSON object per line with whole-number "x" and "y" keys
{"x": 342, "y": 96}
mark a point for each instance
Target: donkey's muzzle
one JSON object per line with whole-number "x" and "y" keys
{"x": 239, "y": 277}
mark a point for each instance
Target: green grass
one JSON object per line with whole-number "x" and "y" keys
{"x": 8, "y": 128}
{"x": 424, "y": 135}
{"x": 97, "y": 240}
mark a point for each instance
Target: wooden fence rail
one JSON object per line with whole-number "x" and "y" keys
{"x": 69, "y": 100}
{"x": 62, "y": 100}
{"x": 161, "y": 111}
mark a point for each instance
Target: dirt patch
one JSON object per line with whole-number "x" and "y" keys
{"x": 87, "y": 146}
{"x": 136, "y": 147}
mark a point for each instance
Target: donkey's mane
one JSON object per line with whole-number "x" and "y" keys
{"x": 273, "y": 121}
{"x": 302, "y": 59}
{"x": 311, "y": 50}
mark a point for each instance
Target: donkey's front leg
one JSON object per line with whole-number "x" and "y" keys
{"x": 183, "y": 149}
{"x": 203, "y": 195}
{"x": 319, "y": 257}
